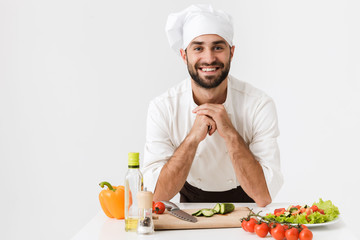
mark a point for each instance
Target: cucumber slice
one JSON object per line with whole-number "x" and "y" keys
{"x": 226, "y": 208}
{"x": 197, "y": 213}
{"x": 207, "y": 212}
{"x": 294, "y": 209}
{"x": 221, "y": 208}
{"x": 217, "y": 208}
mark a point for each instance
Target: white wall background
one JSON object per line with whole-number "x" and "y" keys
{"x": 76, "y": 77}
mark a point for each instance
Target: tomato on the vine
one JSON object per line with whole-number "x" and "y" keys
{"x": 278, "y": 232}
{"x": 159, "y": 208}
{"x": 286, "y": 227}
{"x": 243, "y": 224}
{"x": 272, "y": 225}
{"x": 305, "y": 234}
{"x": 303, "y": 226}
{"x": 261, "y": 229}
{"x": 251, "y": 224}
{"x": 292, "y": 234}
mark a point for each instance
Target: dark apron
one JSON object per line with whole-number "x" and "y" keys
{"x": 190, "y": 193}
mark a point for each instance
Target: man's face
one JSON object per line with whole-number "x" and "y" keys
{"x": 208, "y": 59}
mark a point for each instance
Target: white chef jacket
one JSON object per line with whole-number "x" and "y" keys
{"x": 251, "y": 112}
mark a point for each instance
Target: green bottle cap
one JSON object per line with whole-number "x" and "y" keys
{"x": 133, "y": 161}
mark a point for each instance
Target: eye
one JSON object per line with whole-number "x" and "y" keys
{"x": 218, "y": 48}
{"x": 197, "y": 49}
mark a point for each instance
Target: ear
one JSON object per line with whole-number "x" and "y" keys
{"x": 232, "y": 49}
{"x": 183, "y": 55}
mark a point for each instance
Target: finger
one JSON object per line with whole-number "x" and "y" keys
{"x": 207, "y": 106}
{"x": 206, "y": 112}
{"x": 212, "y": 127}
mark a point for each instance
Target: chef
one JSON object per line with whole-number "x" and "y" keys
{"x": 211, "y": 138}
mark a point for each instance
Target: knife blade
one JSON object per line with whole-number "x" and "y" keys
{"x": 177, "y": 212}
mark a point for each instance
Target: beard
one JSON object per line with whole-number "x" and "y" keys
{"x": 209, "y": 82}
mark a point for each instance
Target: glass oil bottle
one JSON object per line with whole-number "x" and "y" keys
{"x": 133, "y": 185}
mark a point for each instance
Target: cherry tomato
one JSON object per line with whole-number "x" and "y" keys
{"x": 243, "y": 225}
{"x": 282, "y": 210}
{"x": 308, "y": 211}
{"x": 279, "y": 211}
{"x": 261, "y": 229}
{"x": 314, "y": 208}
{"x": 303, "y": 226}
{"x": 286, "y": 227}
{"x": 306, "y": 234}
{"x": 292, "y": 234}
{"x": 251, "y": 224}
{"x": 296, "y": 212}
{"x": 159, "y": 208}
{"x": 273, "y": 225}
{"x": 278, "y": 232}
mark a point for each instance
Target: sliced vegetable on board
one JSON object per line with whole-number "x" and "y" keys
{"x": 220, "y": 208}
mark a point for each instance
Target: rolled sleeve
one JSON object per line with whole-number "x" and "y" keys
{"x": 158, "y": 145}
{"x": 264, "y": 145}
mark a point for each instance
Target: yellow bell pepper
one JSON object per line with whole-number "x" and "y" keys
{"x": 112, "y": 200}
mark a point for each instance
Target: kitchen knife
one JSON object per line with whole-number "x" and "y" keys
{"x": 175, "y": 211}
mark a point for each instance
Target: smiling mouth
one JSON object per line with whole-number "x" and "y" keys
{"x": 208, "y": 69}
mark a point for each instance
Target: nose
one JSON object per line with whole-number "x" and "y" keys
{"x": 208, "y": 56}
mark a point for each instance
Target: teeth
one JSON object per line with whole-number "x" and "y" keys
{"x": 208, "y": 69}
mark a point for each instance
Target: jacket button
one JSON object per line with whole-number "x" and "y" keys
{"x": 230, "y": 181}
{"x": 198, "y": 180}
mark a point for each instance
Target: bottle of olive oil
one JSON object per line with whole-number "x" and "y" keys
{"x": 133, "y": 184}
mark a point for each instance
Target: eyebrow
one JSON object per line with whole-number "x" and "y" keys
{"x": 214, "y": 43}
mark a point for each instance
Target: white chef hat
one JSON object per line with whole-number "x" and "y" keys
{"x": 182, "y": 27}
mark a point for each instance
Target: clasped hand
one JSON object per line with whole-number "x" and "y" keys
{"x": 209, "y": 118}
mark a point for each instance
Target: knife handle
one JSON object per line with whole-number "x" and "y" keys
{"x": 170, "y": 205}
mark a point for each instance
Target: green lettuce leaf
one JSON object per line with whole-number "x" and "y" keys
{"x": 301, "y": 219}
{"x": 280, "y": 218}
{"x": 330, "y": 210}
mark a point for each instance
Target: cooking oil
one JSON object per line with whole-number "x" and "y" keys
{"x": 131, "y": 224}
{"x": 133, "y": 184}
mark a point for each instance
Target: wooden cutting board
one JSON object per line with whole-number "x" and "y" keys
{"x": 230, "y": 220}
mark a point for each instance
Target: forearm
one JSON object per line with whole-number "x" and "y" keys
{"x": 174, "y": 173}
{"x": 248, "y": 170}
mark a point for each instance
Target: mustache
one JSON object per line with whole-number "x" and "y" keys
{"x": 215, "y": 63}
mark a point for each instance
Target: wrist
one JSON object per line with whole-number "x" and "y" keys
{"x": 232, "y": 137}
{"x": 192, "y": 140}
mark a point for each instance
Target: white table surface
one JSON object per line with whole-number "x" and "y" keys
{"x": 103, "y": 228}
